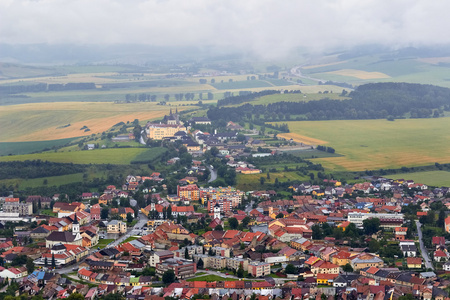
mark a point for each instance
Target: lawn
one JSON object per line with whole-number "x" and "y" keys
{"x": 433, "y": 178}
{"x": 131, "y": 238}
{"x": 102, "y": 243}
{"x": 375, "y": 144}
{"x": 211, "y": 278}
{"x": 119, "y": 156}
{"x": 48, "y": 212}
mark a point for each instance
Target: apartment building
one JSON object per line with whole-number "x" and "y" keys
{"x": 22, "y": 208}
{"x": 181, "y": 267}
{"x": 116, "y": 226}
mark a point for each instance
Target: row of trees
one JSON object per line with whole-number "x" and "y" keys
{"x": 370, "y": 101}
{"x": 326, "y": 149}
{"x": 37, "y": 168}
{"x": 43, "y": 87}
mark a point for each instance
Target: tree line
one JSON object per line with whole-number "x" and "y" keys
{"x": 44, "y": 87}
{"x": 369, "y": 101}
{"x": 37, "y": 169}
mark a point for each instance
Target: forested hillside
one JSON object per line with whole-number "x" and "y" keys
{"x": 370, "y": 101}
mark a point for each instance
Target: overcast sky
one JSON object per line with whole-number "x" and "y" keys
{"x": 266, "y": 27}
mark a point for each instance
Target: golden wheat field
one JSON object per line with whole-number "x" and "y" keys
{"x": 359, "y": 74}
{"x": 375, "y": 144}
{"x": 48, "y": 121}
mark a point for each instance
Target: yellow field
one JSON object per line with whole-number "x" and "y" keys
{"x": 298, "y": 138}
{"x": 375, "y": 144}
{"x": 324, "y": 65}
{"x": 435, "y": 60}
{"x": 43, "y": 121}
{"x": 359, "y": 74}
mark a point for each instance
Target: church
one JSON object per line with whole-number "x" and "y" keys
{"x": 65, "y": 237}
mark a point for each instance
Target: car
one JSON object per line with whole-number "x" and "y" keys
{"x": 206, "y": 269}
{"x": 75, "y": 269}
{"x": 227, "y": 273}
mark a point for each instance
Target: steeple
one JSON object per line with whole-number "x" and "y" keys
{"x": 76, "y": 219}
{"x": 170, "y": 112}
{"x": 75, "y": 226}
{"x": 176, "y": 110}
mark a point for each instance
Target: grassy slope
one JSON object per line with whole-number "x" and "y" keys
{"x": 374, "y": 144}
{"x": 45, "y": 121}
{"x": 434, "y": 178}
{"x": 119, "y": 156}
{"x": 28, "y": 147}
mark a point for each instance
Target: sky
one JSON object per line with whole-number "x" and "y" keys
{"x": 264, "y": 27}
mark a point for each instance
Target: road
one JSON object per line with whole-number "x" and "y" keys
{"x": 133, "y": 231}
{"x": 141, "y": 139}
{"x": 213, "y": 174}
{"x": 423, "y": 250}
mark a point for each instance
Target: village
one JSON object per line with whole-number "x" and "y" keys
{"x": 154, "y": 237}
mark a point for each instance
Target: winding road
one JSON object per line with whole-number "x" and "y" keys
{"x": 213, "y": 174}
{"x": 423, "y": 250}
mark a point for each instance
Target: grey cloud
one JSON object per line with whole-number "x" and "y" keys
{"x": 265, "y": 27}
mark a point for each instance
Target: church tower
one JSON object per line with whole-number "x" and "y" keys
{"x": 75, "y": 226}
{"x": 217, "y": 211}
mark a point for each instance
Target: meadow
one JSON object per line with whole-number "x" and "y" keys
{"x": 252, "y": 181}
{"x": 433, "y": 178}
{"x": 17, "y": 148}
{"x": 117, "y": 156}
{"x": 375, "y": 144}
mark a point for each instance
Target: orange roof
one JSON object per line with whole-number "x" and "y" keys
{"x": 372, "y": 270}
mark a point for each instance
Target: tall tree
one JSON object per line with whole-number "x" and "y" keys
{"x": 53, "y": 261}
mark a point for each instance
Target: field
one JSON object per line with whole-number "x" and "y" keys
{"x": 46, "y": 121}
{"x": 371, "y": 68}
{"x": 433, "y": 178}
{"x": 251, "y": 181}
{"x": 119, "y": 156}
{"x": 360, "y": 74}
{"x": 375, "y": 144}
{"x": 29, "y": 147}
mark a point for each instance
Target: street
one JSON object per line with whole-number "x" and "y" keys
{"x": 213, "y": 174}
{"x": 423, "y": 250}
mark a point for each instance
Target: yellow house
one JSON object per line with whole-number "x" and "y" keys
{"x": 315, "y": 193}
{"x": 326, "y": 279}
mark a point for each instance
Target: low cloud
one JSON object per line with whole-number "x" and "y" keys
{"x": 269, "y": 28}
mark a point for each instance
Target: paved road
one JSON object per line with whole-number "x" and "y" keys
{"x": 213, "y": 174}
{"x": 426, "y": 257}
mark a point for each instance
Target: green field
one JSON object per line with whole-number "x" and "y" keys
{"x": 241, "y": 84}
{"x": 119, "y": 156}
{"x": 432, "y": 178}
{"x": 29, "y": 147}
{"x": 149, "y": 155}
{"x": 313, "y": 153}
{"x": 375, "y": 144}
{"x": 248, "y": 182}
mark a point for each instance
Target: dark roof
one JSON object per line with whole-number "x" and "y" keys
{"x": 180, "y": 133}
{"x": 64, "y": 236}
{"x": 58, "y": 247}
{"x": 40, "y": 230}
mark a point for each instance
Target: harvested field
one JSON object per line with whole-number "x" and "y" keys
{"x": 359, "y": 74}
{"x": 50, "y": 121}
